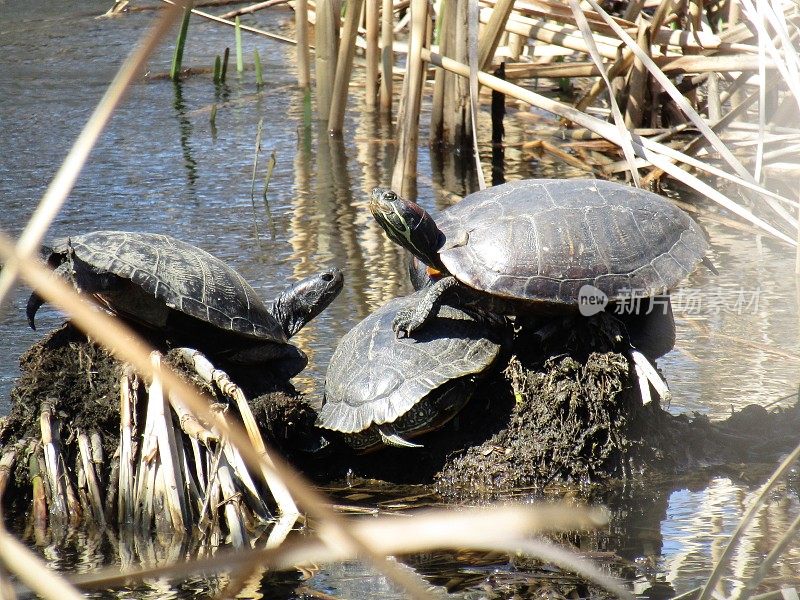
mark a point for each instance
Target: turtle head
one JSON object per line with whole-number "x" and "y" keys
{"x": 409, "y": 225}
{"x": 300, "y": 302}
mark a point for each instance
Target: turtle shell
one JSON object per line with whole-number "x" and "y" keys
{"x": 375, "y": 378}
{"x": 544, "y": 239}
{"x": 183, "y": 277}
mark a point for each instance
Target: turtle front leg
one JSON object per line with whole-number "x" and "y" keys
{"x": 408, "y": 320}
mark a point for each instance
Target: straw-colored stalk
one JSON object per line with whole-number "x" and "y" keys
{"x": 447, "y": 15}
{"x": 637, "y": 89}
{"x": 239, "y": 468}
{"x": 203, "y": 367}
{"x": 125, "y": 499}
{"x": 387, "y": 56}
{"x": 490, "y": 37}
{"x": 344, "y": 66}
{"x": 167, "y": 451}
{"x": 6, "y": 464}
{"x": 38, "y": 492}
{"x": 326, "y": 47}
{"x": 95, "y": 503}
{"x": 303, "y": 55}
{"x": 405, "y": 166}
{"x": 455, "y": 124}
{"x": 372, "y": 18}
{"x": 57, "y": 500}
{"x": 231, "y": 499}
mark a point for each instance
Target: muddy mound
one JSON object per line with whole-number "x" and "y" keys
{"x": 569, "y": 422}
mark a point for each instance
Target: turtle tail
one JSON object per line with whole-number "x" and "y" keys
{"x": 34, "y": 302}
{"x": 54, "y": 259}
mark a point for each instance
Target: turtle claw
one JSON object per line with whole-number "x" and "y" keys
{"x": 404, "y": 323}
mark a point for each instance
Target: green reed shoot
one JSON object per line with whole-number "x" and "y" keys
{"x": 239, "y": 59}
{"x": 259, "y": 74}
{"x": 226, "y": 55}
{"x": 177, "y": 56}
{"x": 213, "y": 117}
{"x": 217, "y": 69}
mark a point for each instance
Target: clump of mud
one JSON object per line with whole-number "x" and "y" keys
{"x": 569, "y": 423}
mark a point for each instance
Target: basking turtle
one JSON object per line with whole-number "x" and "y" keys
{"x": 381, "y": 389}
{"x": 190, "y": 296}
{"x": 537, "y": 246}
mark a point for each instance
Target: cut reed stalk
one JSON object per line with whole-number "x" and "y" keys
{"x": 6, "y": 465}
{"x": 239, "y": 468}
{"x": 387, "y": 56}
{"x": 344, "y": 66}
{"x": 327, "y": 46}
{"x": 225, "y": 58}
{"x": 57, "y": 500}
{"x": 233, "y": 506}
{"x": 446, "y": 23}
{"x": 405, "y": 166}
{"x": 112, "y": 489}
{"x": 177, "y": 56}
{"x": 168, "y": 452}
{"x": 303, "y": 54}
{"x": 126, "y": 499}
{"x": 637, "y": 90}
{"x": 38, "y": 492}
{"x": 372, "y": 18}
{"x": 95, "y": 503}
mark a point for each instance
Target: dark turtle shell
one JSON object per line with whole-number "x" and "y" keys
{"x": 543, "y": 240}
{"x": 183, "y": 277}
{"x": 375, "y": 378}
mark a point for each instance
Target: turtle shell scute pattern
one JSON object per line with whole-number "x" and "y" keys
{"x": 183, "y": 276}
{"x": 374, "y": 377}
{"x": 543, "y": 240}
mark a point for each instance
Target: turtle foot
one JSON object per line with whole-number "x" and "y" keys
{"x": 407, "y": 321}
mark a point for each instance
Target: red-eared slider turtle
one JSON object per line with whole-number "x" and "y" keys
{"x": 189, "y": 295}
{"x": 380, "y": 389}
{"x": 538, "y": 246}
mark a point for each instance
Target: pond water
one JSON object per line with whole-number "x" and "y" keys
{"x": 162, "y": 167}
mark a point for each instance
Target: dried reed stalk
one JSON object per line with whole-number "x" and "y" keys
{"x": 344, "y": 66}
{"x": 326, "y": 31}
{"x": 95, "y": 503}
{"x": 447, "y": 14}
{"x": 387, "y": 56}
{"x": 57, "y": 500}
{"x": 490, "y": 37}
{"x": 38, "y": 492}
{"x": 372, "y": 18}
{"x": 233, "y": 506}
{"x": 405, "y": 166}
{"x": 303, "y": 53}
{"x": 127, "y": 396}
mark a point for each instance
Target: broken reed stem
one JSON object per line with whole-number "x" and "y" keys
{"x": 38, "y": 492}
{"x": 6, "y": 464}
{"x": 387, "y": 56}
{"x": 492, "y": 32}
{"x": 303, "y": 54}
{"x": 445, "y": 23}
{"x": 344, "y": 66}
{"x": 231, "y": 498}
{"x": 405, "y": 166}
{"x": 326, "y": 31}
{"x": 125, "y": 498}
{"x": 57, "y": 500}
{"x": 95, "y": 503}
{"x": 372, "y": 18}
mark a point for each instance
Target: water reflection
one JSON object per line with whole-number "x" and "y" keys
{"x": 185, "y": 125}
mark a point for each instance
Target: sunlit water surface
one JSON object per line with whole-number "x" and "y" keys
{"x": 162, "y": 167}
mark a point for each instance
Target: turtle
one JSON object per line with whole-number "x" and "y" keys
{"x": 541, "y": 246}
{"x": 381, "y": 390}
{"x": 189, "y": 295}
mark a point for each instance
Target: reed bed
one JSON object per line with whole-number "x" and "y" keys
{"x": 671, "y": 85}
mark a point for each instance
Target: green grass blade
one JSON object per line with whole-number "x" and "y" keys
{"x": 259, "y": 74}
{"x": 225, "y": 57}
{"x": 217, "y": 69}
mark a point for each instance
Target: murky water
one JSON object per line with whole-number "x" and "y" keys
{"x": 161, "y": 166}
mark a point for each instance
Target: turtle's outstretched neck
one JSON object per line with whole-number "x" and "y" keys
{"x": 409, "y": 225}
{"x": 304, "y": 300}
